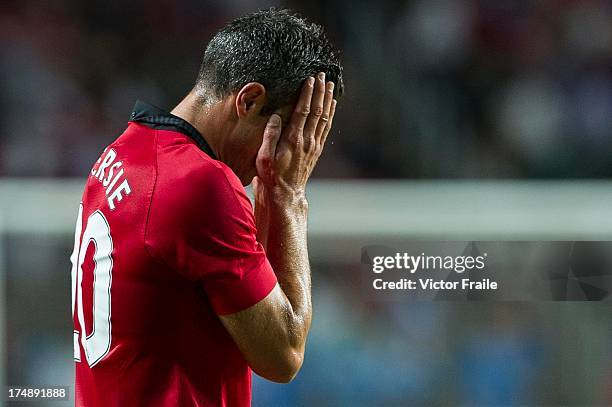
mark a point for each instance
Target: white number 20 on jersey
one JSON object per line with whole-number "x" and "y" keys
{"x": 97, "y": 232}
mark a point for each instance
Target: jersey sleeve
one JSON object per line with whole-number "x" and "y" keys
{"x": 201, "y": 225}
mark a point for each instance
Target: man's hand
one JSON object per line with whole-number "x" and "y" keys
{"x": 288, "y": 156}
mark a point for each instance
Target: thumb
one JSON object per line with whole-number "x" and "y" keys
{"x": 267, "y": 151}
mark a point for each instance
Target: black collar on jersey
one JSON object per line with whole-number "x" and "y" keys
{"x": 158, "y": 118}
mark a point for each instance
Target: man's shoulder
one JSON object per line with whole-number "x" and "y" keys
{"x": 178, "y": 158}
{"x": 190, "y": 179}
{"x": 182, "y": 164}
{"x": 194, "y": 195}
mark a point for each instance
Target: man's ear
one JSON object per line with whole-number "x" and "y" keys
{"x": 250, "y": 99}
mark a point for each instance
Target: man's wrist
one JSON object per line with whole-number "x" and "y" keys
{"x": 284, "y": 198}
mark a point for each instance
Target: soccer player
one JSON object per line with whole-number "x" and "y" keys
{"x": 179, "y": 287}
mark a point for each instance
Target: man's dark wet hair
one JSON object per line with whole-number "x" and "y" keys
{"x": 273, "y": 47}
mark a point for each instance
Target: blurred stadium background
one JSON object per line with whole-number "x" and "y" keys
{"x": 486, "y": 120}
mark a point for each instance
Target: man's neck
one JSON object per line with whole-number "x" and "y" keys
{"x": 205, "y": 118}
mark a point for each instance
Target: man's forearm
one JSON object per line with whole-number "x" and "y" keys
{"x": 284, "y": 215}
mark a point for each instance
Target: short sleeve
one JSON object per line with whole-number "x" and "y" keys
{"x": 201, "y": 225}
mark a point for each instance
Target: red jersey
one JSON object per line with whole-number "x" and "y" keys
{"x": 165, "y": 242}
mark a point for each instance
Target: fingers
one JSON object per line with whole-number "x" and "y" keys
{"x": 302, "y": 107}
{"x": 329, "y": 123}
{"x": 316, "y": 111}
{"x": 326, "y": 116}
{"x": 267, "y": 151}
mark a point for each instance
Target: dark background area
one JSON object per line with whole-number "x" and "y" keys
{"x": 434, "y": 89}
